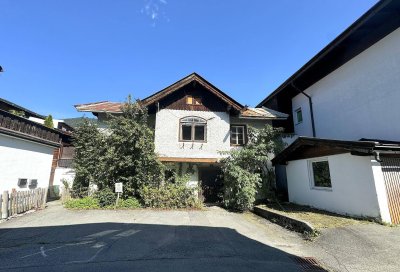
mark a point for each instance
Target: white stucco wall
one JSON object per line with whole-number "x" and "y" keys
{"x": 255, "y": 123}
{"x": 359, "y": 99}
{"x": 61, "y": 173}
{"x": 167, "y": 142}
{"x": 381, "y": 191}
{"x": 23, "y": 159}
{"x": 353, "y": 189}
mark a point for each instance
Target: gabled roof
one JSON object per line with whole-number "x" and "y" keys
{"x": 103, "y": 106}
{"x": 187, "y": 80}
{"x": 307, "y": 147}
{"x": 375, "y": 24}
{"x": 244, "y": 111}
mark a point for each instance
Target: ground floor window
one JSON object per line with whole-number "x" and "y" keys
{"x": 238, "y": 134}
{"x": 320, "y": 175}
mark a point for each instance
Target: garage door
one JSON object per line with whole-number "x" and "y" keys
{"x": 391, "y": 174}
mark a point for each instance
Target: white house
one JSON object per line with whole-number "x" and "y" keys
{"x": 30, "y": 160}
{"x": 194, "y": 121}
{"x": 346, "y": 97}
{"x": 26, "y": 153}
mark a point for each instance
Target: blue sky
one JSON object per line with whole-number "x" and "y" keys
{"x": 59, "y": 53}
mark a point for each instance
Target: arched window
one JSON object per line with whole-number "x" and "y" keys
{"x": 192, "y": 129}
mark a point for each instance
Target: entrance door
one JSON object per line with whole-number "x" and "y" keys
{"x": 391, "y": 175}
{"x": 211, "y": 183}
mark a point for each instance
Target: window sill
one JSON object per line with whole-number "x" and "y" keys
{"x": 329, "y": 189}
{"x": 190, "y": 141}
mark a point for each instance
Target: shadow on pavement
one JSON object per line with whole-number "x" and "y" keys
{"x": 137, "y": 247}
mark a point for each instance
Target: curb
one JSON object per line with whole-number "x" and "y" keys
{"x": 284, "y": 220}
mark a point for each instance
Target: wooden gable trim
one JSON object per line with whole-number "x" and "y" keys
{"x": 183, "y": 82}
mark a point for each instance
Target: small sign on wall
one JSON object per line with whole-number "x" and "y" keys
{"x": 118, "y": 187}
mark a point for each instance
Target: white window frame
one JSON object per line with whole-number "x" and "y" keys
{"x": 311, "y": 174}
{"x": 196, "y": 121}
{"x": 296, "y": 114}
{"x": 237, "y": 138}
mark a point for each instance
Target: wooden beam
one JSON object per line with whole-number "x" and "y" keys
{"x": 172, "y": 159}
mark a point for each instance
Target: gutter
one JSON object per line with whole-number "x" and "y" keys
{"x": 311, "y": 107}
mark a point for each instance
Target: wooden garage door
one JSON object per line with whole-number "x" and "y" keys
{"x": 391, "y": 174}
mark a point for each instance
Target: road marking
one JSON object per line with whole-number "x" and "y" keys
{"x": 88, "y": 260}
{"x": 43, "y": 252}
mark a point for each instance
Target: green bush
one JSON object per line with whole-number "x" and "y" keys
{"x": 82, "y": 203}
{"x": 129, "y": 203}
{"x": 106, "y": 197}
{"x": 170, "y": 196}
{"x": 247, "y": 169}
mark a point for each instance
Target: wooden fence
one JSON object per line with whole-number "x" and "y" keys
{"x": 21, "y": 201}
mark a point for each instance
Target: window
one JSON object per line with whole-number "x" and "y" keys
{"x": 299, "y": 116}
{"x": 33, "y": 183}
{"x": 22, "y": 182}
{"x": 193, "y": 129}
{"x": 320, "y": 174}
{"x": 237, "y": 135}
{"x": 191, "y": 100}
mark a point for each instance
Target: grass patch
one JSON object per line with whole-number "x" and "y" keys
{"x": 317, "y": 218}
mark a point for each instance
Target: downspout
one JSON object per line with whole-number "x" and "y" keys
{"x": 377, "y": 156}
{"x": 311, "y": 108}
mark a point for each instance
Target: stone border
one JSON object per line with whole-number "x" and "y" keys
{"x": 285, "y": 220}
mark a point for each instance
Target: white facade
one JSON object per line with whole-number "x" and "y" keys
{"x": 167, "y": 142}
{"x": 23, "y": 159}
{"x": 62, "y": 173}
{"x": 355, "y": 190}
{"x": 357, "y": 100}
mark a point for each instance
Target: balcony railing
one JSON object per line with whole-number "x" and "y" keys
{"x": 65, "y": 163}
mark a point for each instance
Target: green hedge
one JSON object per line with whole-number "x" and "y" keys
{"x": 83, "y": 203}
{"x": 170, "y": 196}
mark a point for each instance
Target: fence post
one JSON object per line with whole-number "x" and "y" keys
{"x": 4, "y": 206}
{"x": 46, "y": 190}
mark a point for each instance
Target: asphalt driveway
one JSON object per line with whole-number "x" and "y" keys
{"x": 56, "y": 239}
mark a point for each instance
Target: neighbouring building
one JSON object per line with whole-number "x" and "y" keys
{"x": 31, "y": 154}
{"x": 193, "y": 122}
{"x": 343, "y": 104}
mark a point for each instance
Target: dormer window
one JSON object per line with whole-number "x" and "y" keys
{"x": 193, "y": 100}
{"x": 193, "y": 129}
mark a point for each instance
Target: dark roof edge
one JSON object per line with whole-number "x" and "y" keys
{"x": 27, "y": 137}
{"x": 34, "y": 114}
{"x": 367, "y": 146}
{"x": 358, "y": 23}
{"x": 233, "y": 101}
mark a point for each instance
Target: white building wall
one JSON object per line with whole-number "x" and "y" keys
{"x": 23, "y": 159}
{"x": 255, "y": 123}
{"x": 61, "y": 173}
{"x": 353, "y": 189}
{"x": 359, "y": 99}
{"x": 167, "y": 142}
{"x": 381, "y": 191}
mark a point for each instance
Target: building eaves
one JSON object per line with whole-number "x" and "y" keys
{"x": 376, "y": 23}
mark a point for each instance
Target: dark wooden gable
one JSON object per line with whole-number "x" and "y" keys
{"x": 174, "y": 97}
{"x": 177, "y": 100}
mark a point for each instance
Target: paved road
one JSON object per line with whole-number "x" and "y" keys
{"x": 56, "y": 239}
{"x": 144, "y": 240}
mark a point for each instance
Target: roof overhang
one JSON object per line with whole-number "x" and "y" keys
{"x": 375, "y": 24}
{"x": 305, "y": 148}
{"x": 194, "y": 77}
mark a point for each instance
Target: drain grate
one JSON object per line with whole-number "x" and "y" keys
{"x": 309, "y": 264}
